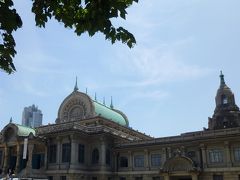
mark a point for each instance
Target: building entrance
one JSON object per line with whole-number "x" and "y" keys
{"x": 181, "y": 178}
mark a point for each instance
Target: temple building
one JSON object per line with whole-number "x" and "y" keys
{"x": 90, "y": 141}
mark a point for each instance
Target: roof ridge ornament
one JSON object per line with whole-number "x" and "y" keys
{"x": 111, "y": 105}
{"x": 104, "y": 101}
{"x": 76, "y": 85}
{"x": 222, "y": 81}
{"x": 95, "y": 97}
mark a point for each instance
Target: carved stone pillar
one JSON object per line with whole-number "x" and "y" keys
{"x": 5, "y": 163}
{"x": 146, "y": 157}
{"x": 18, "y": 158}
{"x": 204, "y": 155}
{"x": 29, "y": 162}
{"x": 227, "y": 152}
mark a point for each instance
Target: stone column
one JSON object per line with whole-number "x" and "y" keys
{"x": 166, "y": 177}
{"x": 18, "y": 158}
{"x": 130, "y": 159}
{"x": 228, "y": 155}
{"x": 74, "y": 151}
{"x": 169, "y": 152}
{"x": 115, "y": 161}
{"x": 5, "y": 161}
{"x": 29, "y": 162}
{"x": 146, "y": 159}
{"x": 164, "y": 156}
{"x": 204, "y": 156}
{"x": 46, "y": 156}
{"x": 59, "y": 152}
{"x": 103, "y": 154}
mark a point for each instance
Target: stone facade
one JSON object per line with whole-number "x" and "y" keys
{"x": 85, "y": 145}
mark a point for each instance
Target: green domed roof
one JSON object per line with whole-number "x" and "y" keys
{"x": 24, "y": 130}
{"x": 110, "y": 114}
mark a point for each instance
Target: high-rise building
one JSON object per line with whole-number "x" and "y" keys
{"x": 32, "y": 116}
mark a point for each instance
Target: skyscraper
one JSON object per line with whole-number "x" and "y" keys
{"x": 32, "y": 116}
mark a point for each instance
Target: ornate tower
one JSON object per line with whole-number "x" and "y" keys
{"x": 226, "y": 113}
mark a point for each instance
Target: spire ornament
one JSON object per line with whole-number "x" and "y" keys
{"x": 104, "y": 101}
{"x": 222, "y": 81}
{"x": 95, "y": 96}
{"x": 11, "y": 120}
{"x": 76, "y": 85}
{"x": 111, "y": 105}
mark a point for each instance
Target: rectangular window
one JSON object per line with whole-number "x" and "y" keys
{"x": 217, "y": 177}
{"x": 66, "y": 152}
{"x": 139, "y": 161}
{"x": 123, "y": 161}
{"x": 237, "y": 154}
{"x": 52, "y": 153}
{"x": 216, "y": 156}
{"x": 81, "y": 153}
{"x": 122, "y": 178}
{"x": 156, "y": 178}
{"x": 63, "y": 178}
{"x": 156, "y": 160}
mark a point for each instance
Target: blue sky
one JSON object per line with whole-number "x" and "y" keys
{"x": 166, "y": 84}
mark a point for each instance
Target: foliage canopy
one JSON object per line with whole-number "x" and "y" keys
{"x": 89, "y": 16}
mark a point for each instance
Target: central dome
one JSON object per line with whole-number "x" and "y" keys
{"x": 79, "y": 106}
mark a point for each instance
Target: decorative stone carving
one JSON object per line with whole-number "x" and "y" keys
{"x": 179, "y": 163}
{"x": 76, "y": 106}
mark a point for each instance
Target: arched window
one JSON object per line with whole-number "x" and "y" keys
{"x": 95, "y": 156}
{"x": 108, "y": 157}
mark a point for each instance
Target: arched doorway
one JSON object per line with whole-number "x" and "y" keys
{"x": 179, "y": 168}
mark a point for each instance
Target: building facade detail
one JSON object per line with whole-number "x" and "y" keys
{"x": 91, "y": 141}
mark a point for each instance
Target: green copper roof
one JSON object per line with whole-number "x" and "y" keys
{"x": 24, "y": 130}
{"x": 109, "y": 113}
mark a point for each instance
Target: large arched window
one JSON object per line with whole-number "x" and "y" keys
{"x": 95, "y": 156}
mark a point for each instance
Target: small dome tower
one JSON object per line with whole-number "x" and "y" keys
{"x": 226, "y": 113}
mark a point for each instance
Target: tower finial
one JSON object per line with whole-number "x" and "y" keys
{"x": 76, "y": 85}
{"x": 104, "y": 101}
{"x": 86, "y": 90}
{"x": 222, "y": 81}
{"x": 111, "y": 105}
{"x": 11, "y": 120}
{"x": 95, "y": 97}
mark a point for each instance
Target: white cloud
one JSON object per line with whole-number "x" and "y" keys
{"x": 151, "y": 66}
